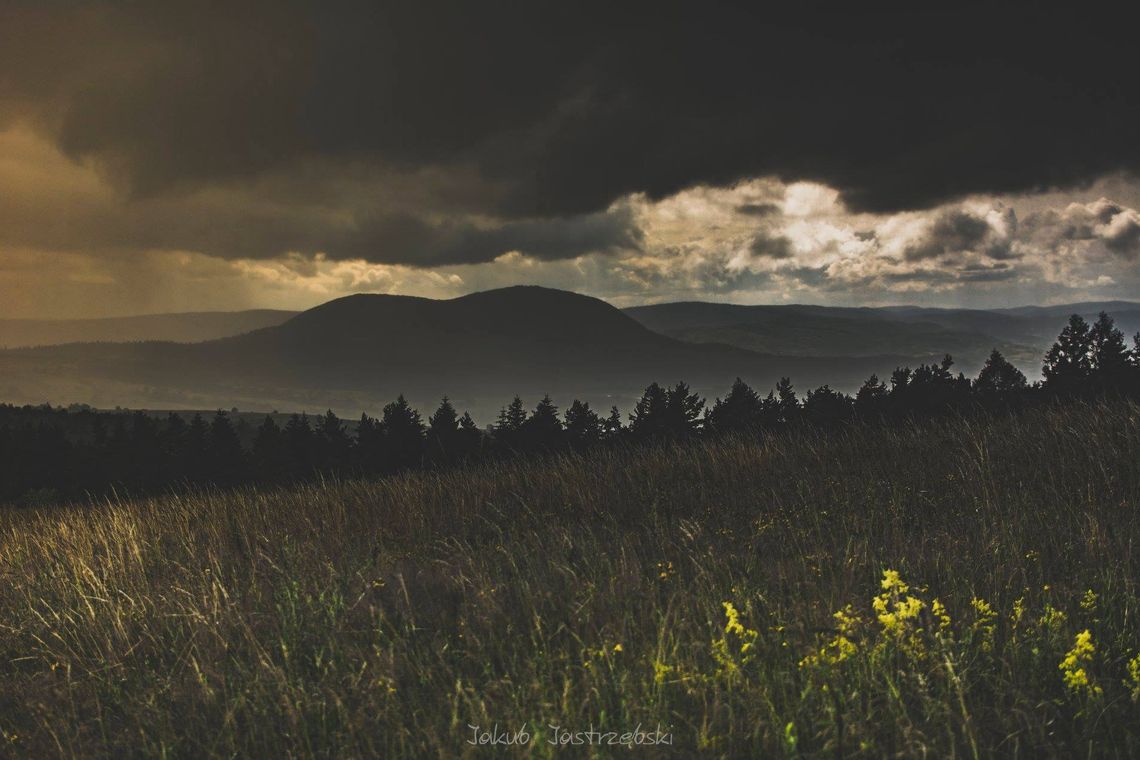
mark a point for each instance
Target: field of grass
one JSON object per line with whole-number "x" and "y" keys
{"x": 956, "y": 587}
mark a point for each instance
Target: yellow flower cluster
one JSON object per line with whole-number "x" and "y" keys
{"x": 938, "y": 610}
{"x": 1133, "y": 682}
{"x": 1073, "y": 670}
{"x": 898, "y": 613}
{"x": 984, "y": 622}
{"x": 841, "y": 646}
{"x": 736, "y": 647}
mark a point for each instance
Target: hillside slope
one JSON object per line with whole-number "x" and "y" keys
{"x": 356, "y": 352}
{"x": 1022, "y": 334}
{"x": 190, "y": 327}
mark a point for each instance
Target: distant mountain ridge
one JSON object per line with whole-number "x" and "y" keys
{"x": 188, "y": 327}
{"x": 1022, "y": 333}
{"x": 359, "y": 351}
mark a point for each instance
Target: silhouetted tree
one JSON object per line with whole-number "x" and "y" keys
{"x": 470, "y": 438}
{"x": 270, "y": 463}
{"x": 583, "y": 426}
{"x": 740, "y": 411}
{"x": 1068, "y": 362}
{"x": 196, "y": 453}
{"x": 508, "y": 428}
{"x": 334, "y": 445}
{"x": 1109, "y": 356}
{"x": 999, "y": 381}
{"x": 443, "y": 433}
{"x": 823, "y": 406}
{"x": 787, "y": 407}
{"x": 660, "y": 413}
{"x": 871, "y": 399}
{"x": 543, "y": 430}
{"x": 612, "y": 429}
{"x": 685, "y": 410}
{"x": 647, "y": 420}
{"x": 369, "y": 449}
{"x": 403, "y": 435}
{"x": 226, "y": 456}
{"x": 299, "y": 446}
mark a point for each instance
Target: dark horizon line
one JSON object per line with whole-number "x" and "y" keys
{"x": 200, "y": 312}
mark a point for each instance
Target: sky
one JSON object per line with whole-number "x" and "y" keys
{"x": 174, "y": 156}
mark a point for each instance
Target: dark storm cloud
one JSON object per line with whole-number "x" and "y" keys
{"x": 1116, "y": 226}
{"x": 771, "y": 247}
{"x": 758, "y": 209}
{"x": 957, "y": 231}
{"x": 1124, "y": 237}
{"x": 563, "y": 107}
{"x": 406, "y": 239}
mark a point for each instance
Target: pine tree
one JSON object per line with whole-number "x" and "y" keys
{"x": 788, "y": 407}
{"x": 1068, "y": 362}
{"x": 999, "y": 380}
{"x": 823, "y": 406}
{"x": 334, "y": 443}
{"x": 226, "y": 456}
{"x": 508, "y": 428}
{"x": 871, "y": 399}
{"x": 612, "y": 428}
{"x": 648, "y": 419}
{"x": 684, "y": 410}
{"x": 741, "y": 410}
{"x": 543, "y": 430}
{"x": 403, "y": 435}
{"x": 443, "y": 432}
{"x": 298, "y": 435}
{"x": 268, "y": 451}
{"x": 583, "y": 426}
{"x": 1110, "y": 357}
{"x": 369, "y": 449}
{"x": 470, "y": 437}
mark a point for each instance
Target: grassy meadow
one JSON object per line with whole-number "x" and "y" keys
{"x": 951, "y": 588}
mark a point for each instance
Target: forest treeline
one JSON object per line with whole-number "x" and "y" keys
{"x": 51, "y": 453}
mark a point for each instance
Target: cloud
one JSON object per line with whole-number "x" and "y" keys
{"x": 561, "y": 109}
{"x": 1115, "y": 226}
{"x": 766, "y": 246}
{"x": 1121, "y": 234}
{"x": 758, "y": 209}
{"x": 957, "y": 231}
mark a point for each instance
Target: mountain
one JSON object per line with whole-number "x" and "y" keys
{"x": 191, "y": 327}
{"x": 357, "y": 352}
{"x": 1023, "y": 334}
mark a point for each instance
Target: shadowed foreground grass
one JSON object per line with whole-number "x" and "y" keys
{"x": 955, "y": 588}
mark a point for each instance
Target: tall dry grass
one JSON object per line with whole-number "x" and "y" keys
{"x": 380, "y": 619}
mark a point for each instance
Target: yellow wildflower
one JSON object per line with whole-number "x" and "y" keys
{"x": 1088, "y": 601}
{"x": 1073, "y": 670}
{"x": 938, "y": 610}
{"x": 1133, "y": 682}
{"x": 984, "y": 617}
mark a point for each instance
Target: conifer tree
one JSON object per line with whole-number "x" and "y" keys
{"x": 788, "y": 405}
{"x": 443, "y": 432}
{"x": 871, "y": 399}
{"x": 508, "y": 428}
{"x": 403, "y": 435}
{"x": 1109, "y": 357}
{"x": 542, "y": 431}
{"x": 583, "y": 426}
{"x": 1068, "y": 362}
{"x": 612, "y": 429}
{"x": 740, "y": 410}
{"x": 999, "y": 380}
